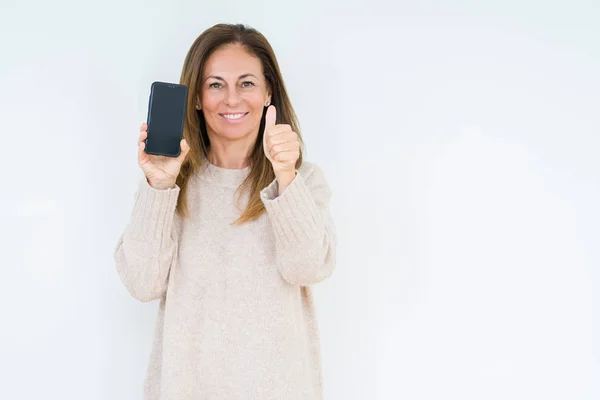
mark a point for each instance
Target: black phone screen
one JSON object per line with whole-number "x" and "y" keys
{"x": 166, "y": 115}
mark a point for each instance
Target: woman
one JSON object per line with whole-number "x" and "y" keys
{"x": 231, "y": 235}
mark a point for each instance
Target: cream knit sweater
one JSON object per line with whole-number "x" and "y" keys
{"x": 236, "y": 318}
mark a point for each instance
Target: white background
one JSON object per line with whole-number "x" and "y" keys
{"x": 461, "y": 143}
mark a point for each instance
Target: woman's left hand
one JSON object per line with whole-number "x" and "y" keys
{"x": 281, "y": 145}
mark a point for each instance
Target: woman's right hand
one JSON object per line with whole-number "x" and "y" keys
{"x": 160, "y": 171}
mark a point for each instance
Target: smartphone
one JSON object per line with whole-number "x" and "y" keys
{"x": 166, "y": 116}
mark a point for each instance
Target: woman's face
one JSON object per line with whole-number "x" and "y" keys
{"x": 234, "y": 93}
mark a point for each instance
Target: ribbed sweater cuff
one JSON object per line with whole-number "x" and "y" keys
{"x": 153, "y": 213}
{"x": 295, "y": 216}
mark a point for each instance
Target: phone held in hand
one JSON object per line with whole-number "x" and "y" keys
{"x": 166, "y": 116}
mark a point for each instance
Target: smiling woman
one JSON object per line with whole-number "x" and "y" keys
{"x": 231, "y": 235}
{"x": 233, "y": 71}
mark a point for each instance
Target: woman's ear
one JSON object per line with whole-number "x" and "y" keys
{"x": 269, "y": 93}
{"x": 198, "y": 103}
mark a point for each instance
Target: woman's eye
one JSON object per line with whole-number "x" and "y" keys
{"x": 250, "y": 84}
{"x": 212, "y": 85}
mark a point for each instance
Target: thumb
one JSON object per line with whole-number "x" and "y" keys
{"x": 185, "y": 148}
{"x": 270, "y": 118}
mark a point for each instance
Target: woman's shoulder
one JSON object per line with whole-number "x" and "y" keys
{"x": 308, "y": 168}
{"x": 313, "y": 174}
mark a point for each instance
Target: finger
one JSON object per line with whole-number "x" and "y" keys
{"x": 142, "y": 137}
{"x": 279, "y": 148}
{"x": 270, "y": 118}
{"x": 141, "y": 147}
{"x": 143, "y": 127}
{"x": 283, "y": 140}
{"x": 284, "y": 156}
{"x": 280, "y": 128}
{"x": 283, "y": 137}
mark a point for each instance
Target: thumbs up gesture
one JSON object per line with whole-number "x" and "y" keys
{"x": 281, "y": 145}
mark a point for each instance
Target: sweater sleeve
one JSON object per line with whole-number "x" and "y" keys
{"x": 147, "y": 248}
{"x": 305, "y": 235}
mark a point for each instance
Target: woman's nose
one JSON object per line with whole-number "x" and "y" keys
{"x": 232, "y": 97}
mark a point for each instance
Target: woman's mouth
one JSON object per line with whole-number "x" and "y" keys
{"x": 237, "y": 117}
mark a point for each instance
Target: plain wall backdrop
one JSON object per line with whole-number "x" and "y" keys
{"x": 461, "y": 142}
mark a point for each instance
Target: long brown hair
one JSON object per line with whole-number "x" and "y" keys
{"x": 194, "y": 131}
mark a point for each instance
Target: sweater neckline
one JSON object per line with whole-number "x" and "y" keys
{"x": 223, "y": 176}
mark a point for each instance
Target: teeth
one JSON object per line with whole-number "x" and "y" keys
{"x": 232, "y": 116}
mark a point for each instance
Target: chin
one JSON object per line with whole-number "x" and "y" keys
{"x": 238, "y": 132}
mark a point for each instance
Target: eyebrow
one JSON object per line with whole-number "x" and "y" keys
{"x": 221, "y": 79}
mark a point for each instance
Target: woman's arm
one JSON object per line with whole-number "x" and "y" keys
{"x": 305, "y": 235}
{"x": 147, "y": 248}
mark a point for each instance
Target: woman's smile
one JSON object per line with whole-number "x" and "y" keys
{"x": 234, "y": 118}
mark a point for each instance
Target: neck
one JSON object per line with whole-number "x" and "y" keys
{"x": 230, "y": 154}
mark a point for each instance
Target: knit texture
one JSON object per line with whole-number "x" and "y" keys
{"x": 236, "y": 317}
